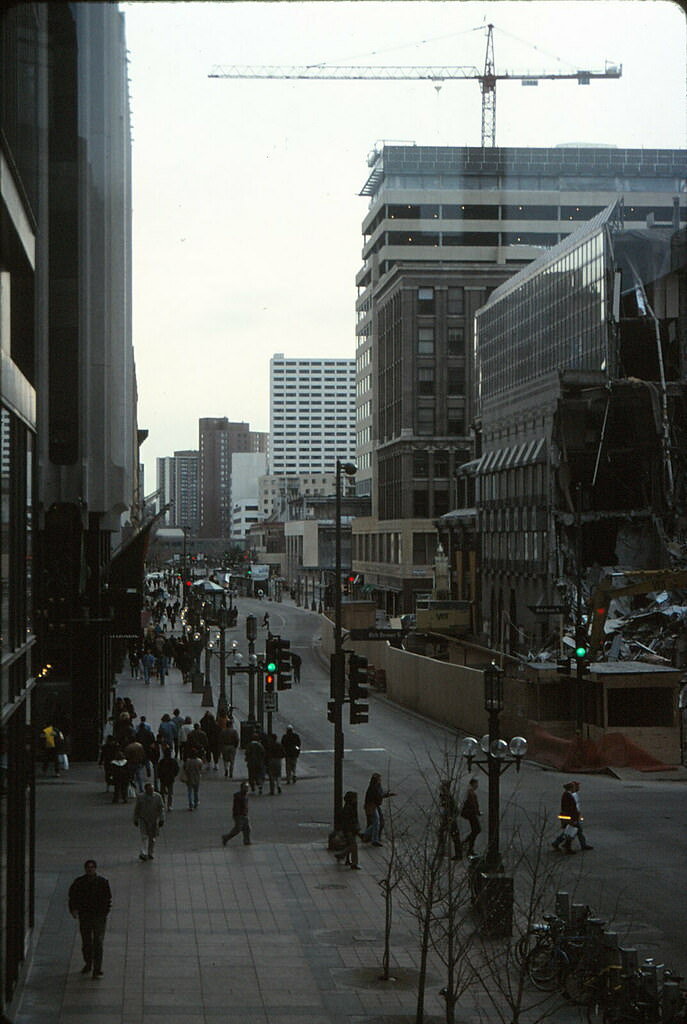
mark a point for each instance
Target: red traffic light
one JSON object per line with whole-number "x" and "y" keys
{"x": 269, "y": 680}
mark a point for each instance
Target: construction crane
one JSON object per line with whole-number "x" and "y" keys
{"x": 487, "y": 78}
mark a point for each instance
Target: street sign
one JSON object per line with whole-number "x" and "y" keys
{"x": 270, "y": 701}
{"x": 375, "y": 634}
{"x": 548, "y": 609}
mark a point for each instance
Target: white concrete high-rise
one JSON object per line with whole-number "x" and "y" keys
{"x": 312, "y": 414}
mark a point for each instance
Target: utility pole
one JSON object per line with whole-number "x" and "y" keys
{"x": 338, "y": 658}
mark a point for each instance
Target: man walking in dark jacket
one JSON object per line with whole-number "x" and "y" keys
{"x": 90, "y": 900}
{"x": 239, "y": 813}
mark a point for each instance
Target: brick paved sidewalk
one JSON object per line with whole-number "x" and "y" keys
{"x": 274, "y": 933}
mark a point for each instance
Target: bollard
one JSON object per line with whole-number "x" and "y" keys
{"x": 562, "y": 906}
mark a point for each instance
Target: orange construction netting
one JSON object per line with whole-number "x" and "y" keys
{"x": 613, "y": 751}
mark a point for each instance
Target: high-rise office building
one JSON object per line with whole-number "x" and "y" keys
{"x": 67, "y": 412}
{"x": 312, "y": 414}
{"x": 186, "y": 490}
{"x": 445, "y": 226}
{"x": 218, "y": 440}
{"x": 177, "y": 485}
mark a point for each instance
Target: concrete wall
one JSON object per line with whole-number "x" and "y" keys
{"x": 453, "y": 694}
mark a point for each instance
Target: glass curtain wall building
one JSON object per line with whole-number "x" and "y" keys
{"x": 582, "y": 409}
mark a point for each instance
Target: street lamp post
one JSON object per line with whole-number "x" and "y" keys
{"x": 251, "y": 637}
{"x": 337, "y": 667}
{"x": 494, "y": 891}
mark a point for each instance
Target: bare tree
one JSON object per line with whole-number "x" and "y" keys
{"x": 500, "y": 968}
{"x": 434, "y": 887}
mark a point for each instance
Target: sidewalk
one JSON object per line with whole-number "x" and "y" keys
{"x": 276, "y": 932}
{"x": 273, "y": 933}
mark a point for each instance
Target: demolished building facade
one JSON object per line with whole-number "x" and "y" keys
{"x": 582, "y": 414}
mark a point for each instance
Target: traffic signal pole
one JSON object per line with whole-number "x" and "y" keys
{"x": 337, "y": 664}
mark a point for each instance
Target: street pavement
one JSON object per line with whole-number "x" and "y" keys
{"x": 273, "y": 933}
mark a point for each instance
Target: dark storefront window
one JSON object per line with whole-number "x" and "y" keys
{"x": 4, "y": 529}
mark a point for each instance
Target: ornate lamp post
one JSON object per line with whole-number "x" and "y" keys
{"x": 496, "y": 890}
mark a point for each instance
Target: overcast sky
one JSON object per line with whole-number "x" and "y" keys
{"x": 246, "y": 207}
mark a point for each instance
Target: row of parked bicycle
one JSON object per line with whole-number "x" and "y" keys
{"x": 571, "y": 951}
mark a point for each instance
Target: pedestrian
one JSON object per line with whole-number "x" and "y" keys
{"x": 122, "y": 729}
{"x": 198, "y": 743}
{"x": 167, "y": 771}
{"x": 119, "y": 766}
{"x": 167, "y": 731}
{"x": 90, "y": 900}
{"x": 239, "y": 812}
{"x": 51, "y": 741}
{"x": 193, "y": 770}
{"x": 146, "y": 737}
{"x": 374, "y": 795}
{"x": 147, "y": 664}
{"x": 255, "y": 763}
{"x": 136, "y": 756}
{"x": 584, "y": 845}
{"x": 274, "y": 755}
{"x": 291, "y": 742}
{"x": 266, "y": 620}
{"x": 134, "y": 660}
{"x": 108, "y": 752}
{"x": 178, "y": 722}
{"x": 296, "y": 664}
{"x": 149, "y": 817}
{"x": 448, "y": 825}
{"x": 569, "y": 818}
{"x": 228, "y": 745}
{"x": 350, "y": 827}
{"x": 185, "y": 731}
{"x": 471, "y": 812}
{"x": 209, "y": 726}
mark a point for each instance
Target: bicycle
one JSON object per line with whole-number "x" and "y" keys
{"x": 554, "y": 955}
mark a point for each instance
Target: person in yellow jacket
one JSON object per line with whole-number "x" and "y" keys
{"x": 52, "y": 740}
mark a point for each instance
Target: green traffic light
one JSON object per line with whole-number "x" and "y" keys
{"x": 271, "y": 667}
{"x": 580, "y": 652}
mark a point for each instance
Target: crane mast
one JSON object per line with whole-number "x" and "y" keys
{"x": 487, "y": 78}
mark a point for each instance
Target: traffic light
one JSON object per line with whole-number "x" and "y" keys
{"x": 331, "y": 711}
{"x": 357, "y": 675}
{"x": 359, "y": 712}
{"x": 283, "y": 664}
{"x": 271, "y": 661}
{"x": 346, "y": 586}
{"x": 581, "y": 652}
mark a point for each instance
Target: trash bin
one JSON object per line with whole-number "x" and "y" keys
{"x": 197, "y": 682}
{"x": 494, "y": 905}
{"x": 247, "y": 730}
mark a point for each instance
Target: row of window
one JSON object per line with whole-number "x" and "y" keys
{"x": 515, "y": 211}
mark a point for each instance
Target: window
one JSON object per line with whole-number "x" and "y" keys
{"x": 420, "y": 505}
{"x": 455, "y": 380}
{"x": 425, "y": 420}
{"x": 425, "y": 300}
{"x": 420, "y": 465}
{"x": 455, "y": 302}
{"x": 455, "y": 419}
{"x": 440, "y": 464}
{"x": 424, "y": 547}
{"x": 425, "y": 380}
{"x": 425, "y": 341}
{"x": 455, "y": 341}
